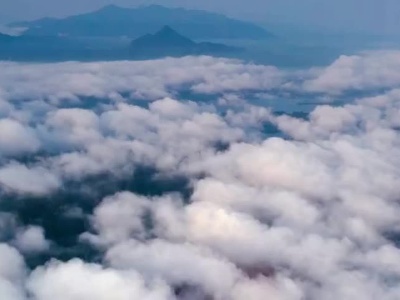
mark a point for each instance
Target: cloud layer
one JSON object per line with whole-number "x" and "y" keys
{"x": 162, "y": 180}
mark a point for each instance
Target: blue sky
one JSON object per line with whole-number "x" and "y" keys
{"x": 373, "y": 16}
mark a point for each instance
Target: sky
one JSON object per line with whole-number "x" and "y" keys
{"x": 367, "y": 16}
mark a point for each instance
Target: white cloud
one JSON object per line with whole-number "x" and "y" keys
{"x": 160, "y": 259}
{"x": 120, "y": 217}
{"x": 140, "y": 79}
{"x": 12, "y": 274}
{"x": 20, "y": 179}
{"x": 77, "y": 280}
{"x": 368, "y": 71}
{"x": 313, "y": 215}
{"x": 16, "y": 138}
{"x": 31, "y": 240}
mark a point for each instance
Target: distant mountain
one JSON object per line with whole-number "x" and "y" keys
{"x": 166, "y": 37}
{"x": 114, "y": 21}
{"x": 168, "y": 42}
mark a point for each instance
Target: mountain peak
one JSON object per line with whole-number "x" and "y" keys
{"x": 168, "y": 42}
{"x": 164, "y": 37}
{"x": 167, "y": 31}
{"x": 134, "y": 22}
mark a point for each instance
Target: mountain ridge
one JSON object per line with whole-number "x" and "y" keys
{"x": 135, "y": 22}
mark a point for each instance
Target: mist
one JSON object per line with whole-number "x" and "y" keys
{"x": 354, "y": 16}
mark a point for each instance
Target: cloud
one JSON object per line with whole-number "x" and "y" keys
{"x": 119, "y": 217}
{"x": 160, "y": 259}
{"x": 142, "y": 79}
{"x": 76, "y": 280}
{"x": 12, "y": 274}
{"x": 17, "y": 178}
{"x": 156, "y": 136}
{"x": 367, "y": 71}
{"x": 16, "y": 139}
{"x": 15, "y": 31}
{"x": 31, "y": 239}
{"x": 181, "y": 199}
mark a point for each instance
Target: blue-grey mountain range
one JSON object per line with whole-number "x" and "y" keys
{"x": 115, "y": 21}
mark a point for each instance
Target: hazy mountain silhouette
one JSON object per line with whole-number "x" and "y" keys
{"x": 168, "y": 42}
{"x": 114, "y": 21}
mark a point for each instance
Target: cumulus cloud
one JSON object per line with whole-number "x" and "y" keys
{"x": 31, "y": 239}
{"x": 76, "y": 280}
{"x": 308, "y": 212}
{"x": 12, "y": 274}
{"x": 16, "y": 138}
{"x": 18, "y": 178}
{"x": 367, "y": 71}
{"x": 119, "y": 217}
{"x": 143, "y": 79}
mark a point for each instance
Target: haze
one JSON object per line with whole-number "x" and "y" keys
{"x": 362, "y": 16}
